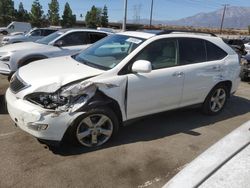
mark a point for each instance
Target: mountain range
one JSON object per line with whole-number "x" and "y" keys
{"x": 235, "y": 17}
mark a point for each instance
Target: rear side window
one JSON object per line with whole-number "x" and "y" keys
{"x": 191, "y": 51}
{"x": 214, "y": 52}
{"x": 74, "y": 39}
{"x": 94, "y": 37}
{"x": 47, "y": 32}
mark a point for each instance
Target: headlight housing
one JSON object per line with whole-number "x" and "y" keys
{"x": 5, "y": 58}
{"x": 6, "y": 39}
{"x": 71, "y": 96}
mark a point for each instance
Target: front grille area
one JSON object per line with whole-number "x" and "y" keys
{"x": 16, "y": 84}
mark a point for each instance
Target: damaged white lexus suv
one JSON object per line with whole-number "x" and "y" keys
{"x": 87, "y": 96}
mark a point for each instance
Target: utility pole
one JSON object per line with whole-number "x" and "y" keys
{"x": 223, "y": 16}
{"x": 125, "y": 15}
{"x": 151, "y": 13}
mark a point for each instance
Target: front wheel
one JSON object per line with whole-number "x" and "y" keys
{"x": 215, "y": 100}
{"x": 95, "y": 128}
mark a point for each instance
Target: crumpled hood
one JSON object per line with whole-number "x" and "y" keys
{"x": 22, "y": 46}
{"x": 50, "y": 74}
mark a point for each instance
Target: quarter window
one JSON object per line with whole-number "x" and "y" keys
{"x": 161, "y": 54}
{"x": 214, "y": 52}
{"x": 191, "y": 51}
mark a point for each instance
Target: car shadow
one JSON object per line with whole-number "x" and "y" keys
{"x": 3, "y": 108}
{"x": 162, "y": 125}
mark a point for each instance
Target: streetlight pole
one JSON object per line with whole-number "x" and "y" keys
{"x": 151, "y": 13}
{"x": 125, "y": 15}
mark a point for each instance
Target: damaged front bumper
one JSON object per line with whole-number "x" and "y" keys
{"x": 41, "y": 123}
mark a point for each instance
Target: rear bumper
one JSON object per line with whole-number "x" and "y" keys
{"x": 37, "y": 121}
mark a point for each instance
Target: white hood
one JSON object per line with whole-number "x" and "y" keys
{"x": 50, "y": 74}
{"x": 15, "y": 37}
{"x": 22, "y": 46}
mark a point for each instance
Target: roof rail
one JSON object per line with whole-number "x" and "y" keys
{"x": 185, "y": 31}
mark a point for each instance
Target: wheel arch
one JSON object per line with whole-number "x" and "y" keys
{"x": 228, "y": 84}
{"x": 27, "y": 59}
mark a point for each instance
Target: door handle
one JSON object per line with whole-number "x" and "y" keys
{"x": 178, "y": 74}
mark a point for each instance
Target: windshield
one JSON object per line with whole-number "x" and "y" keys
{"x": 108, "y": 52}
{"x": 49, "y": 38}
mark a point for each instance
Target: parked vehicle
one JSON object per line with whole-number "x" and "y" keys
{"x": 225, "y": 164}
{"x": 31, "y": 36}
{"x": 245, "y": 68}
{"x": 237, "y": 45}
{"x": 247, "y": 47}
{"x": 60, "y": 43}
{"x": 120, "y": 78}
{"x": 15, "y": 27}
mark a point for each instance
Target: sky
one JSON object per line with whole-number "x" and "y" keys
{"x": 140, "y": 9}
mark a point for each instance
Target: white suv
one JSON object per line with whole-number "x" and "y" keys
{"x": 120, "y": 78}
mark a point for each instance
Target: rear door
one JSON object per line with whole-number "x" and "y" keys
{"x": 202, "y": 64}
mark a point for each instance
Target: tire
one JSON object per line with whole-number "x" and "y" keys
{"x": 216, "y": 100}
{"x": 86, "y": 132}
{"x": 243, "y": 77}
{"x": 4, "y": 32}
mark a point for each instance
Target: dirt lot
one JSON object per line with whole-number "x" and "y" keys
{"x": 145, "y": 154}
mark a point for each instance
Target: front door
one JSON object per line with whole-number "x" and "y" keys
{"x": 161, "y": 89}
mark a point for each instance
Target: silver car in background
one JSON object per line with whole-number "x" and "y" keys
{"x": 31, "y": 36}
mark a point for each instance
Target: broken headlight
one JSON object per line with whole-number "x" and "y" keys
{"x": 66, "y": 97}
{"x": 47, "y": 100}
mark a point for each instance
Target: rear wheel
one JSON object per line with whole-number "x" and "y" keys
{"x": 95, "y": 128}
{"x": 216, "y": 100}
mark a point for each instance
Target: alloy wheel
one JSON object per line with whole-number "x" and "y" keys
{"x": 94, "y": 130}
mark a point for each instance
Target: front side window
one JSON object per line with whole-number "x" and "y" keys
{"x": 35, "y": 33}
{"x": 50, "y": 38}
{"x": 161, "y": 54}
{"x": 109, "y": 52}
{"x": 74, "y": 39}
{"x": 191, "y": 51}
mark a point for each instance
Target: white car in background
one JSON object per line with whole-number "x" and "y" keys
{"x": 61, "y": 43}
{"x": 225, "y": 164}
{"x": 16, "y": 27}
{"x": 120, "y": 78}
{"x": 31, "y": 36}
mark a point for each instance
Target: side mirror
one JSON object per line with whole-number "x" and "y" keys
{"x": 59, "y": 43}
{"x": 142, "y": 66}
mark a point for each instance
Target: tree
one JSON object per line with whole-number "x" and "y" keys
{"x": 68, "y": 19}
{"x": 7, "y": 12}
{"x": 104, "y": 17}
{"x": 22, "y": 15}
{"x": 53, "y": 13}
{"x": 249, "y": 29}
{"x": 36, "y": 14}
{"x": 93, "y": 17}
